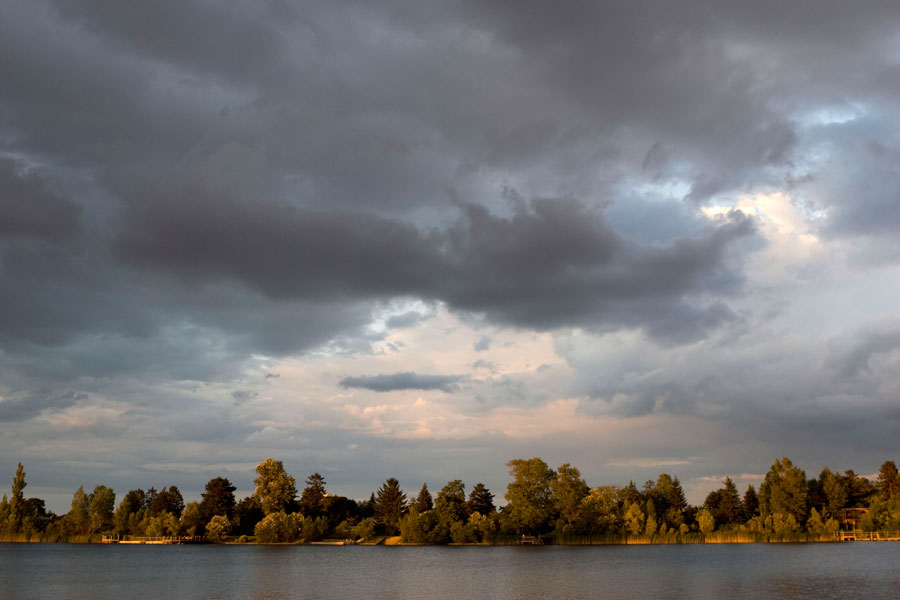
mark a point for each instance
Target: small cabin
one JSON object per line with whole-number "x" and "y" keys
{"x": 852, "y": 517}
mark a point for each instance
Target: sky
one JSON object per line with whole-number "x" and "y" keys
{"x": 418, "y": 239}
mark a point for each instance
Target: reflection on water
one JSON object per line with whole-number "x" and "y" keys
{"x": 788, "y": 571}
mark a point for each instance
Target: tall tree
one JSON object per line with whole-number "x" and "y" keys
{"x": 481, "y": 500}
{"x": 450, "y": 503}
{"x": 312, "y": 499}
{"x": 218, "y": 499}
{"x": 889, "y": 480}
{"x": 858, "y": 489}
{"x": 835, "y": 490}
{"x": 783, "y": 491}
{"x": 17, "y": 501}
{"x": 569, "y": 489}
{"x": 424, "y": 502}
{"x": 389, "y": 504}
{"x": 100, "y": 509}
{"x": 274, "y": 487}
{"x": 750, "y": 502}
{"x": 529, "y": 499}
{"x": 168, "y": 499}
{"x": 78, "y": 518}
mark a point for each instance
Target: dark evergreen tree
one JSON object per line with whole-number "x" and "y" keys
{"x": 247, "y": 513}
{"x": 389, "y": 504}
{"x": 424, "y": 503}
{"x": 725, "y": 504}
{"x": 17, "y": 501}
{"x": 481, "y": 500}
{"x": 218, "y": 499}
{"x": 751, "y": 503}
{"x": 889, "y": 480}
{"x": 312, "y": 499}
{"x": 859, "y": 489}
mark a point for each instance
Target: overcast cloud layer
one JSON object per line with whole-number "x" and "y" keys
{"x": 419, "y": 239}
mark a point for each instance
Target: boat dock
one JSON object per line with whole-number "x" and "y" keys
{"x": 869, "y": 536}
{"x": 168, "y": 539}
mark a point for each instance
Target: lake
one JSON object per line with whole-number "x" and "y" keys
{"x": 765, "y": 571}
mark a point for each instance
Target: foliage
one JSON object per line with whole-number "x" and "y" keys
{"x": 783, "y": 492}
{"x": 389, "y": 504}
{"x": 569, "y": 490}
{"x": 163, "y": 524}
{"x": 725, "y": 503}
{"x": 312, "y": 500}
{"x": 706, "y": 521}
{"x": 424, "y": 502}
{"x": 481, "y": 500}
{"x": 17, "y": 501}
{"x": 278, "y": 527}
{"x": 365, "y": 529}
{"x": 101, "y": 503}
{"x": 218, "y": 528}
{"x": 274, "y": 487}
{"x": 888, "y": 480}
{"x": 217, "y": 499}
{"x": 192, "y": 520}
{"x": 529, "y": 497}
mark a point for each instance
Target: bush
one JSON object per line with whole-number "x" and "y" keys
{"x": 278, "y": 527}
{"x": 218, "y": 528}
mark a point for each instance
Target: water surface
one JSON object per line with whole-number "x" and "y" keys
{"x": 742, "y": 571}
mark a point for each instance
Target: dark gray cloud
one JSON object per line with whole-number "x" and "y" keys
{"x": 30, "y": 208}
{"x": 26, "y": 406}
{"x": 404, "y": 381}
{"x": 191, "y": 189}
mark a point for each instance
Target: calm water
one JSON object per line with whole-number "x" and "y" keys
{"x": 793, "y": 571}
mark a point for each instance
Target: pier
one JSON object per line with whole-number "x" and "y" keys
{"x": 856, "y": 535}
{"x": 166, "y": 539}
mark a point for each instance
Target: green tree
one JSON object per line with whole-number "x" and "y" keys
{"x": 129, "y": 511}
{"x": 725, "y": 503}
{"x": 706, "y": 521}
{"x": 164, "y": 524}
{"x": 312, "y": 499}
{"x": 278, "y": 527}
{"x": 889, "y": 480}
{"x": 635, "y": 519}
{"x": 529, "y": 499}
{"x": 217, "y": 499}
{"x": 100, "y": 509}
{"x": 218, "y": 528}
{"x": 424, "y": 502}
{"x": 168, "y": 499}
{"x": 450, "y": 503}
{"x": 834, "y": 488}
{"x": 750, "y": 503}
{"x": 78, "y": 518}
{"x": 859, "y": 489}
{"x": 274, "y": 487}
{"x": 481, "y": 500}
{"x": 389, "y": 504}
{"x": 569, "y": 489}
{"x": 191, "y": 521}
{"x": 600, "y": 511}
{"x": 783, "y": 491}
{"x": 17, "y": 501}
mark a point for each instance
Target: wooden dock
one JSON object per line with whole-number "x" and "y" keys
{"x": 869, "y": 536}
{"x": 530, "y": 540}
{"x": 168, "y": 539}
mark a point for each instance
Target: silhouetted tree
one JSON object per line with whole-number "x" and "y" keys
{"x": 389, "y": 504}
{"x": 424, "y": 503}
{"x": 218, "y": 499}
{"x": 312, "y": 499}
{"x": 481, "y": 500}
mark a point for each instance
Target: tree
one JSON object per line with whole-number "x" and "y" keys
{"x": 529, "y": 499}
{"x": 247, "y": 513}
{"x": 424, "y": 503}
{"x": 783, "y": 491}
{"x": 389, "y": 504}
{"x": 17, "y": 501}
{"x": 218, "y": 499}
{"x": 569, "y": 489}
{"x": 218, "y": 528}
{"x": 481, "y": 500}
{"x": 834, "y": 488}
{"x": 274, "y": 487}
{"x": 725, "y": 503}
{"x": 312, "y": 500}
{"x": 889, "y": 480}
{"x": 706, "y": 521}
{"x": 858, "y": 489}
{"x": 751, "y": 503}
{"x": 168, "y": 499}
{"x": 133, "y": 504}
{"x": 450, "y": 503}
{"x": 78, "y": 518}
{"x": 100, "y": 509}
{"x": 192, "y": 520}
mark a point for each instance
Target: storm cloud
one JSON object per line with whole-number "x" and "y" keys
{"x": 528, "y": 213}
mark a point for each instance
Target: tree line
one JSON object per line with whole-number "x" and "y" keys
{"x": 539, "y": 501}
